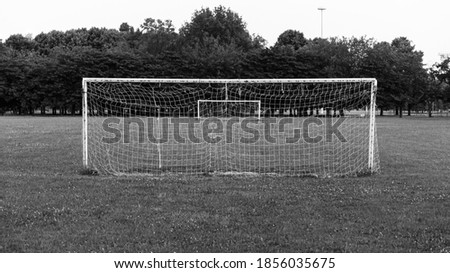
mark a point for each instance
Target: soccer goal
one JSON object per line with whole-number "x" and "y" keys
{"x": 302, "y": 127}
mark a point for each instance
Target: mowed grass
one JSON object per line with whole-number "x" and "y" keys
{"x": 48, "y": 205}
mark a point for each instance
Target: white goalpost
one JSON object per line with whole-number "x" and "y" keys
{"x": 301, "y": 127}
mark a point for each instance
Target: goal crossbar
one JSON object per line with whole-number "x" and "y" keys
{"x": 168, "y": 80}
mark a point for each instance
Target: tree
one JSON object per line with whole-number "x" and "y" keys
{"x": 20, "y": 43}
{"x": 103, "y": 39}
{"x": 9, "y": 79}
{"x": 439, "y": 84}
{"x": 97, "y": 38}
{"x": 380, "y": 63}
{"x": 158, "y": 36}
{"x": 400, "y": 73}
{"x": 410, "y": 73}
{"x": 215, "y": 43}
{"x": 213, "y": 60}
{"x": 293, "y": 38}
{"x": 358, "y": 49}
{"x": 335, "y": 53}
{"x": 221, "y": 24}
{"x": 124, "y": 27}
{"x": 434, "y": 92}
{"x": 19, "y": 82}
{"x": 157, "y": 26}
{"x": 132, "y": 37}
{"x": 47, "y": 41}
{"x": 442, "y": 70}
{"x": 3, "y": 49}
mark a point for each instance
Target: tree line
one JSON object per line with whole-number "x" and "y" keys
{"x": 44, "y": 73}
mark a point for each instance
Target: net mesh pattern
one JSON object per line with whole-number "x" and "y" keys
{"x": 299, "y": 127}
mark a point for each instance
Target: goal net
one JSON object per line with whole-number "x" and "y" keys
{"x": 305, "y": 127}
{"x": 228, "y": 108}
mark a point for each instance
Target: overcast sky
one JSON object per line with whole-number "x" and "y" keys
{"x": 424, "y": 22}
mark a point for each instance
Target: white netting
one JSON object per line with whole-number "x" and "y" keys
{"x": 293, "y": 127}
{"x": 228, "y": 108}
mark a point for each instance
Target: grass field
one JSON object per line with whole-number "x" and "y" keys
{"x": 47, "y": 205}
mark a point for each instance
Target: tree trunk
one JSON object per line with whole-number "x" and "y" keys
{"x": 381, "y": 111}
{"x": 396, "y": 111}
{"x": 409, "y": 110}
{"x": 400, "y": 111}
{"x": 430, "y": 109}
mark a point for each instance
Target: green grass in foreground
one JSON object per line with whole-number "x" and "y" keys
{"x": 46, "y": 205}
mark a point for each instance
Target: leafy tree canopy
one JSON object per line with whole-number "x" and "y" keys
{"x": 222, "y": 24}
{"x": 293, "y": 38}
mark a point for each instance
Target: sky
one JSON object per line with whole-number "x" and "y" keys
{"x": 425, "y": 23}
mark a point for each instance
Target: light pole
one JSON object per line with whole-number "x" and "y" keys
{"x": 321, "y": 21}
